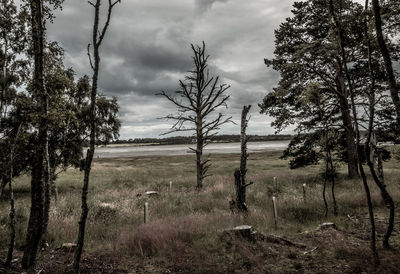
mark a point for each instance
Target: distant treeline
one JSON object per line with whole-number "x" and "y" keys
{"x": 191, "y": 140}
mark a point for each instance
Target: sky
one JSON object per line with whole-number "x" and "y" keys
{"x": 147, "y": 49}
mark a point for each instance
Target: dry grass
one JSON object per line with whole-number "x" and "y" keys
{"x": 186, "y": 223}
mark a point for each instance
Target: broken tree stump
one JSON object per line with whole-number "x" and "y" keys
{"x": 240, "y": 174}
{"x": 249, "y": 233}
{"x": 243, "y": 230}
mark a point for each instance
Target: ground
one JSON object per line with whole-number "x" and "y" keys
{"x": 187, "y": 229}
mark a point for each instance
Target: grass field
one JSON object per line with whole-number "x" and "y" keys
{"x": 186, "y": 229}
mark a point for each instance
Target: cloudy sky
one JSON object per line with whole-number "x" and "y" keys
{"x": 147, "y": 49}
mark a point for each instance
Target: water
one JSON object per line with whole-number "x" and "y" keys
{"x": 170, "y": 150}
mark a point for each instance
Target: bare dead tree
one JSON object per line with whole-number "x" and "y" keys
{"x": 97, "y": 39}
{"x": 240, "y": 174}
{"x": 199, "y": 97}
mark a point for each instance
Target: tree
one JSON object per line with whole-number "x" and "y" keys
{"x": 97, "y": 39}
{"x": 199, "y": 96}
{"x": 370, "y": 146}
{"x": 40, "y": 168}
{"x": 12, "y": 41}
{"x": 68, "y": 125}
{"x": 391, "y": 79}
{"x": 337, "y": 26}
{"x": 12, "y": 202}
{"x": 325, "y": 51}
{"x": 68, "y": 119}
{"x": 306, "y": 55}
{"x": 13, "y": 68}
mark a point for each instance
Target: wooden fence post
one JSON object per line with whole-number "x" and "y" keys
{"x": 275, "y": 211}
{"x": 146, "y": 212}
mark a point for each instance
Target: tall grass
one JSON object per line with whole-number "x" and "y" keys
{"x": 186, "y": 217}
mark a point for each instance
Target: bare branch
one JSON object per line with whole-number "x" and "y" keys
{"x": 90, "y": 58}
{"x": 111, "y": 5}
{"x": 199, "y": 95}
{"x": 175, "y": 101}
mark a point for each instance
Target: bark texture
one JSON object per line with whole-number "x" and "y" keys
{"x": 35, "y": 225}
{"x": 97, "y": 39}
{"x": 240, "y": 174}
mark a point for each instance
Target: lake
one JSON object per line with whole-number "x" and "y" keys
{"x": 170, "y": 150}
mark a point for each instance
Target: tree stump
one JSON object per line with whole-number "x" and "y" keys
{"x": 244, "y": 231}
{"x": 240, "y": 174}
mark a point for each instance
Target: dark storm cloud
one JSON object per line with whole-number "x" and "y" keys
{"x": 142, "y": 67}
{"x": 204, "y": 5}
{"x": 147, "y": 49}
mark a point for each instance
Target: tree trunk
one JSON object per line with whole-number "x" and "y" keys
{"x": 3, "y": 185}
{"x": 240, "y": 174}
{"x": 90, "y": 151}
{"x": 35, "y": 225}
{"x": 12, "y": 202}
{"x": 47, "y": 203}
{"x": 4, "y": 85}
{"x": 394, "y": 89}
{"x": 324, "y": 192}
{"x": 370, "y": 144}
{"x": 48, "y": 188}
{"x": 370, "y": 151}
{"x": 380, "y": 167}
{"x": 333, "y": 183}
{"x": 352, "y": 166}
{"x": 240, "y": 188}
{"x": 329, "y": 174}
{"x": 199, "y": 154}
{"x": 351, "y": 147}
{"x": 386, "y": 198}
{"x": 243, "y": 143}
{"x": 342, "y": 64}
{"x": 12, "y": 224}
{"x": 85, "y": 188}
{"x": 3, "y": 101}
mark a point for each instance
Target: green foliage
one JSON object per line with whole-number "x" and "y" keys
{"x": 68, "y": 119}
{"x": 313, "y": 94}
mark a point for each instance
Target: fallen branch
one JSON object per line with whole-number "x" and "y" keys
{"x": 310, "y": 251}
{"x": 281, "y": 240}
